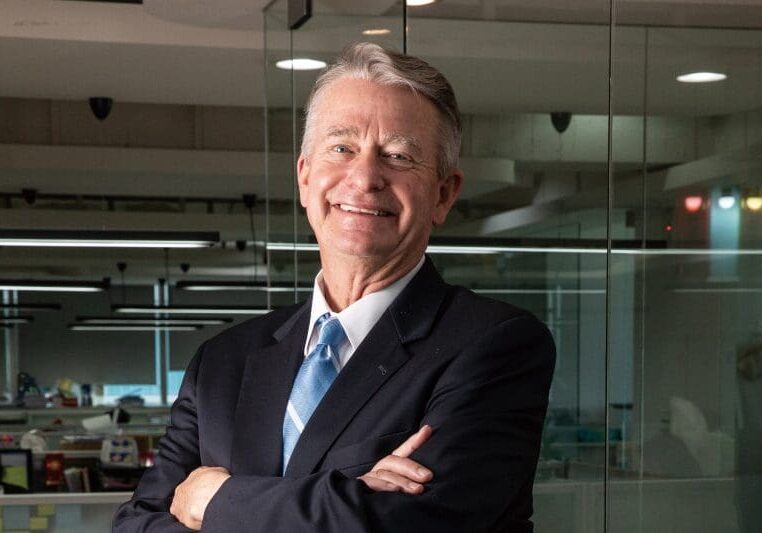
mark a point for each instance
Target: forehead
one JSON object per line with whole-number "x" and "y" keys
{"x": 364, "y": 107}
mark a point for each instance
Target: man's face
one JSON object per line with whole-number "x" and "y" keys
{"x": 369, "y": 179}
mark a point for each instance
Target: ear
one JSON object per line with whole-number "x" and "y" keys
{"x": 449, "y": 189}
{"x": 302, "y": 177}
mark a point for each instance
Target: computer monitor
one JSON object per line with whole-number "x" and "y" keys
{"x": 16, "y": 471}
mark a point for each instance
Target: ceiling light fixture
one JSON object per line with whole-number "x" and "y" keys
{"x": 116, "y": 327}
{"x": 16, "y": 319}
{"x": 51, "y": 286}
{"x": 190, "y": 310}
{"x": 419, "y": 3}
{"x": 30, "y": 308}
{"x": 450, "y": 249}
{"x": 540, "y": 291}
{"x": 372, "y": 32}
{"x": 151, "y": 321}
{"x": 300, "y": 63}
{"x": 699, "y": 290}
{"x": 754, "y": 202}
{"x": 701, "y": 77}
{"x": 693, "y": 203}
{"x": 240, "y": 286}
{"x": 108, "y": 239}
{"x": 727, "y": 200}
{"x": 546, "y": 246}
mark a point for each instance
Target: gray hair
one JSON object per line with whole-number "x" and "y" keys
{"x": 371, "y": 62}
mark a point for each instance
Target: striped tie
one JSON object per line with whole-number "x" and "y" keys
{"x": 315, "y": 376}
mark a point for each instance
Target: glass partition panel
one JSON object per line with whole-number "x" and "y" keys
{"x": 127, "y": 117}
{"x": 534, "y": 96}
{"x": 684, "y": 396}
{"x": 292, "y": 247}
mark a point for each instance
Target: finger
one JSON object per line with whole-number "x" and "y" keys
{"x": 404, "y": 483}
{"x": 404, "y": 466}
{"x": 379, "y": 485}
{"x": 413, "y": 442}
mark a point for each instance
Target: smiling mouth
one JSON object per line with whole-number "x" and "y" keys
{"x": 353, "y": 209}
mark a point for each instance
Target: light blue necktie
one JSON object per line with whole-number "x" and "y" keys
{"x": 315, "y": 376}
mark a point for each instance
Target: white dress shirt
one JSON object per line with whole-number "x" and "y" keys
{"x": 357, "y": 319}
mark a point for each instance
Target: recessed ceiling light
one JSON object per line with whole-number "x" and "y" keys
{"x": 727, "y": 200}
{"x": 754, "y": 202}
{"x": 693, "y": 203}
{"x": 417, "y": 3}
{"x": 300, "y": 63}
{"x": 701, "y": 77}
{"x": 376, "y": 31}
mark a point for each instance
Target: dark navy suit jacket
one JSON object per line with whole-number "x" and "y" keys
{"x": 477, "y": 370}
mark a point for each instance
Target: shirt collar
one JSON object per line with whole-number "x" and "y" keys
{"x": 360, "y": 317}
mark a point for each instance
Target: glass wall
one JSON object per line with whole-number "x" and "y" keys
{"x": 621, "y": 207}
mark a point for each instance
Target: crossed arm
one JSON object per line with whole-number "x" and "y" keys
{"x": 394, "y": 473}
{"x": 487, "y": 411}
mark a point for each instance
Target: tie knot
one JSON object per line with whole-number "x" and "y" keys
{"x": 331, "y": 332}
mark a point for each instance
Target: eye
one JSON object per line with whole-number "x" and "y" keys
{"x": 341, "y": 149}
{"x": 399, "y": 159}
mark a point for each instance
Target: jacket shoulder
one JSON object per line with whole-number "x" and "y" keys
{"x": 486, "y": 311}
{"x": 239, "y": 340}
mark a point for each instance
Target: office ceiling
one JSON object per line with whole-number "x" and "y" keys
{"x": 503, "y": 56}
{"x": 211, "y": 53}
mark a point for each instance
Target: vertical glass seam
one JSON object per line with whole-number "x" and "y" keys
{"x": 293, "y": 168}
{"x": 608, "y": 307}
{"x": 643, "y": 266}
{"x": 268, "y": 155}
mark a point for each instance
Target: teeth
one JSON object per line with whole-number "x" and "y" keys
{"x": 353, "y": 209}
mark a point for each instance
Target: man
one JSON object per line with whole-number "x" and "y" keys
{"x": 390, "y": 401}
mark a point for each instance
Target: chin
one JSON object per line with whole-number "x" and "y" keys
{"x": 365, "y": 249}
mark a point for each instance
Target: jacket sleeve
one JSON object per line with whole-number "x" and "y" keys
{"x": 487, "y": 411}
{"x": 148, "y": 510}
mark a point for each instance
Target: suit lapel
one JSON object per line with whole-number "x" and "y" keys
{"x": 376, "y": 360}
{"x": 265, "y": 388}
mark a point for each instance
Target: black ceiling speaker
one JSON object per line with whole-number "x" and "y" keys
{"x": 560, "y": 120}
{"x": 101, "y": 106}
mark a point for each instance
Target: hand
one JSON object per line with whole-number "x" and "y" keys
{"x": 194, "y": 494}
{"x": 396, "y": 472}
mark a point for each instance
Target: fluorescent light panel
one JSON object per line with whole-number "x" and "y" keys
{"x": 108, "y": 239}
{"x": 497, "y": 249}
{"x": 540, "y": 291}
{"x": 16, "y": 319}
{"x": 152, "y": 321}
{"x": 190, "y": 310}
{"x": 30, "y": 308}
{"x": 240, "y": 286}
{"x": 701, "y": 290}
{"x": 51, "y": 286}
{"x": 116, "y": 327}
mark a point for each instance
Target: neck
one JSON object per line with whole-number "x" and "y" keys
{"x": 346, "y": 281}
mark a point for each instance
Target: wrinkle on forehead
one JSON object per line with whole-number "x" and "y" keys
{"x": 392, "y": 137}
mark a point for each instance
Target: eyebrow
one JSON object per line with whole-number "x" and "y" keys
{"x": 393, "y": 137}
{"x": 343, "y": 131}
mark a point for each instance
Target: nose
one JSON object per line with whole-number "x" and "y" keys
{"x": 366, "y": 173}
